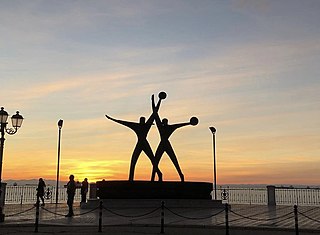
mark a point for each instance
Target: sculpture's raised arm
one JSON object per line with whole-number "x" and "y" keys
{"x": 155, "y": 108}
{"x": 153, "y": 103}
{"x": 125, "y": 123}
{"x": 151, "y": 118}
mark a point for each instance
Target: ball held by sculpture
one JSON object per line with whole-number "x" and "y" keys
{"x": 194, "y": 121}
{"x": 162, "y": 95}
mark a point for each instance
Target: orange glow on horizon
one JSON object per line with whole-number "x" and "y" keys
{"x": 240, "y": 159}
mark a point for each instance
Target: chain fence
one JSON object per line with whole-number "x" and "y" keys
{"x": 20, "y": 212}
{"x": 222, "y": 213}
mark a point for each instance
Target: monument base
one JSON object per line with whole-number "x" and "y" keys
{"x": 153, "y": 203}
{"x": 146, "y": 194}
{"x": 153, "y": 190}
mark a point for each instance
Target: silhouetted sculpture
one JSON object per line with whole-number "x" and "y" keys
{"x": 71, "y": 191}
{"x": 165, "y": 131}
{"x": 84, "y": 190}
{"x": 141, "y": 129}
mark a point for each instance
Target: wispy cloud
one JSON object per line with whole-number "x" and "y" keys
{"x": 250, "y": 69}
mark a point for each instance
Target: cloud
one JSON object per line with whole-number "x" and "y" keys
{"x": 253, "y": 77}
{"x": 261, "y": 6}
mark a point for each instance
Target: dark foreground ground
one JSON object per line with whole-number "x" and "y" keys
{"x": 143, "y": 230}
{"x": 243, "y": 220}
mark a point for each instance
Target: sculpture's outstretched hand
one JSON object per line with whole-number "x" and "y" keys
{"x": 111, "y": 118}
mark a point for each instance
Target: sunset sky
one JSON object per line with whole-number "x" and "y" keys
{"x": 250, "y": 68}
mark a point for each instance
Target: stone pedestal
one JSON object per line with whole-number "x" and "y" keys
{"x": 146, "y": 194}
{"x": 153, "y": 190}
{"x": 154, "y": 203}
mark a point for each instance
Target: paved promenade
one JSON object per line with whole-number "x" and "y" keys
{"x": 243, "y": 219}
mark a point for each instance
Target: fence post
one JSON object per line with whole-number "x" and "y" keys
{"x": 93, "y": 191}
{"x": 162, "y": 217}
{"x": 37, "y": 216}
{"x": 227, "y": 218}
{"x": 271, "y": 190}
{"x": 100, "y": 216}
{"x": 296, "y": 225}
{"x": 51, "y": 194}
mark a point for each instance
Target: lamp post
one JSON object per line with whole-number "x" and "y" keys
{"x": 60, "y": 123}
{"x": 213, "y": 131}
{"x": 16, "y": 124}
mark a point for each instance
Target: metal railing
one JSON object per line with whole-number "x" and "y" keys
{"x": 243, "y": 195}
{"x": 299, "y": 196}
{"x": 27, "y": 194}
{"x": 259, "y": 196}
{"x": 284, "y": 195}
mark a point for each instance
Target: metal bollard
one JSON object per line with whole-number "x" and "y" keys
{"x": 296, "y": 225}
{"x": 162, "y": 217}
{"x": 227, "y": 218}
{"x": 100, "y": 217}
{"x": 37, "y": 217}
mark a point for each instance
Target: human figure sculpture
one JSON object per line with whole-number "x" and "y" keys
{"x": 141, "y": 129}
{"x": 165, "y": 131}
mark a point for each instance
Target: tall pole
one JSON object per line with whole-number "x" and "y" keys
{"x": 16, "y": 124}
{"x": 2, "y": 139}
{"x": 213, "y": 131}
{"x": 215, "y": 166}
{"x": 58, "y": 164}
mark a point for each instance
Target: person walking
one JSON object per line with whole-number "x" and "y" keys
{"x": 71, "y": 191}
{"x": 40, "y": 191}
{"x": 84, "y": 190}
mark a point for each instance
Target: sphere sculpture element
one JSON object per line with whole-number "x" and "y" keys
{"x": 194, "y": 121}
{"x": 162, "y": 95}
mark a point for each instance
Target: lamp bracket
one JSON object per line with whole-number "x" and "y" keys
{"x": 11, "y": 131}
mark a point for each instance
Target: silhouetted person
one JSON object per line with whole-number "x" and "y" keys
{"x": 165, "y": 131}
{"x": 141, "y": 129}
{"x": 40, "y": 190}
{"x": 84, "y": 190}
{"x": 71, "y": 191}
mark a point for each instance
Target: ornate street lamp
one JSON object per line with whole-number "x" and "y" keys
{"x": 16, "y": 124}
{"x": 213, "y": 131}
{"x": 60, "y": 123}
